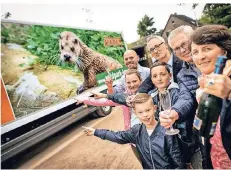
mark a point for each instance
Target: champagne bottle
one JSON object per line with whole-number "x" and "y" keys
{"x": 209, "y": 107}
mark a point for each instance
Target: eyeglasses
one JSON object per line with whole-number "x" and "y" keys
{"x": 184, "y": 46}
{"x": 156, "y": 47}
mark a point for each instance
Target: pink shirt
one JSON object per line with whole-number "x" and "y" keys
{"x": 219, "y": 157}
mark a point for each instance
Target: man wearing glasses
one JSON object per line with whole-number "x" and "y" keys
{"x": 159, "y": 50}
{"x": 184, "y": 109}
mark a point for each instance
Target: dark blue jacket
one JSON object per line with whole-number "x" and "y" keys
{"x": 158, "y": 151}
{"x": 147, "y": 84}
{"x": 186, "y": 104}
{"x": 173, "y": 89}
{"x": 185, "y": 131}
{"x": 225, "y": 123}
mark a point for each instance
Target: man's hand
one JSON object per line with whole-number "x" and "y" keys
{"x": 88, "y": 130}
{"x": 167, "y": 120}
{"x": 99, "y": 95}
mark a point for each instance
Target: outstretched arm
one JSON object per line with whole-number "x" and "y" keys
{"x": 121, "y": 137}
{"x": 146, "y": 85}
{"x": 119, "y": 98}
{"x": 97, "y": 102}
{"x": 186, "y": 103}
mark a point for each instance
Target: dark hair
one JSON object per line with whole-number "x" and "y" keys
{"x": 133, "y": 71}
{"x": 159, "y": 63}
{"x": 214, "y": 34}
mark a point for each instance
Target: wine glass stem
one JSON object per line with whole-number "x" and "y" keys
{"x": 171, "y": 128}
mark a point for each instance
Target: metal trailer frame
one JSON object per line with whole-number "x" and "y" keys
{"x": 12, "y": 147}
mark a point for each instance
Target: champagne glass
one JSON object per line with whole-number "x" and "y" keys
{"x": 165, "y": 101}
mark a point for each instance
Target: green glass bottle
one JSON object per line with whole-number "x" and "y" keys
{"x": 209, "y": 107}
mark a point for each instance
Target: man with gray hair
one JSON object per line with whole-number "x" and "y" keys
{"x": 184, "y": 109}
{"x": 159, "y": 50}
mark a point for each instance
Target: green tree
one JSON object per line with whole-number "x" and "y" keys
{"x": 216, "y": 14}
{"x": 144, "y": 27}
{"x": 159, "y": 32}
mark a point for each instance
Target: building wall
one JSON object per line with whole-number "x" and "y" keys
{"x": 170, "y": 25}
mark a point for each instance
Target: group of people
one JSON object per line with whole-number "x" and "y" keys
{"x": 185, "y": 73}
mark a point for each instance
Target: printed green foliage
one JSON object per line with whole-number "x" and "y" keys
{"x": 43, "y": 41}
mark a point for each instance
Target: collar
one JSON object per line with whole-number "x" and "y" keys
{"x": 172, "y": 85}
{"x": 187, "y": 65}
{"x": 170, "y": 61}
{"x": 153, "y": 60}
{"x": 191, "y": 67}
{"x": 139, "y": 68}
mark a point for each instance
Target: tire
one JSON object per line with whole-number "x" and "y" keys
{"x": 95, "y": 114}
{"x": 103, "y": 111}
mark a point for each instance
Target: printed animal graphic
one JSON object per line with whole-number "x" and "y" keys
{"x": 87, "y": 60}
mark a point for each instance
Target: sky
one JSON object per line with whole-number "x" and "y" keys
{"x": 109, "y": 17}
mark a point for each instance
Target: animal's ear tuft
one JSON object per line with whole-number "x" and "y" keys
{"x": 75, "y": 41}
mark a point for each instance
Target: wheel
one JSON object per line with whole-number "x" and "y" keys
{"x": 95, "y": 115}
{"x": 102, "y": 111}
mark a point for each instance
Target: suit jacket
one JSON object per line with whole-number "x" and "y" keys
{"x": 147, "y": 84}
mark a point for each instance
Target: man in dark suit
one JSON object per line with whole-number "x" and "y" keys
{"x": 159, "y": 50}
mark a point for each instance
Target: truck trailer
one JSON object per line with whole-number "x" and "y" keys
{"x": 39, "y": 88}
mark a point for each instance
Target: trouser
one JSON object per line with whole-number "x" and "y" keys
{"x": 196, "y": 159}
{"x": 191, "y": 150}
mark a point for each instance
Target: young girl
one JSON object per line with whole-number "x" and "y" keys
{"x": 133, "y": 81}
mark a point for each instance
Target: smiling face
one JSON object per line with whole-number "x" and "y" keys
{"x": 160, "y": 76}
{"x": 205, "y": 56}
{"x": 145, "y": 111}
{"x": 132, "y": 82}
{"x": 158, "y": 49}
{"x": 180, "y": 44}
{"x": 131, "y": 59}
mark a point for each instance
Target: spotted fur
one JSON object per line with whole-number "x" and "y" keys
{"x": 87, "y": 60}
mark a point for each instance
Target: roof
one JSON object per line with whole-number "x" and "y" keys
{"x": 181, "y": 17}
{"x": 185, "y": 18}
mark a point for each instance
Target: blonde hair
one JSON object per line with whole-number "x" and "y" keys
{"x": 140, "y": 98}
{"x": 133, "y": 71}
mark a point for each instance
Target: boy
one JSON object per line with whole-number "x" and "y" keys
{"x": 156, "y": 150}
